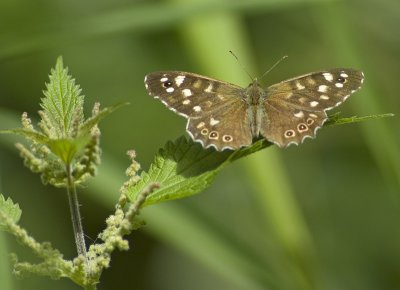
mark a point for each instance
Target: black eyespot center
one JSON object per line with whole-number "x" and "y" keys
{"x": 341, "y": 80}
{"x": 227, "y": 138}
{"x": 302, "y": 127}
{"x": 289, "y": 133}
{"x": 167, "y": 84}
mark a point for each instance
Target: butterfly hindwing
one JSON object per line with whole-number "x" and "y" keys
{"x": 282, "y": 129}
{"x": 226, "y": 127}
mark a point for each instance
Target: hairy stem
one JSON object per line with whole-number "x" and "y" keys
{"x": 75, "y": 214}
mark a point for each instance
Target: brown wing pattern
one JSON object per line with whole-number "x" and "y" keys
{"x": 282, "y": 129}
{"x": 215, "y": 111}
{"x": 188, "y": 94}
{"x": 225, "y": 127}
{"x": 296, "y": 108}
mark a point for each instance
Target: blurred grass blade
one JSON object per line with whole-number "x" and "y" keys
{"x": 137, "y": 17}
{"x": 5, "y": 264}
{"x": 380, "y": 136}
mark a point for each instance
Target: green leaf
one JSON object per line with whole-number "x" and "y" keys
{"x": 8, "y": 210}
{"x": 183, "y": 168}
{"x": 65, "y": 137}
{"x": 336, "y": 120}
{"x": 62, "y": 104}
{"x": 28, "y": 134}
{"x": 67, "y": 149}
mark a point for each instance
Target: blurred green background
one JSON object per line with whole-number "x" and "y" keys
{"x": 324, "y": 215}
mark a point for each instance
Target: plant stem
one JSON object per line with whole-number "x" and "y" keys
{"x": 75, "y": 214}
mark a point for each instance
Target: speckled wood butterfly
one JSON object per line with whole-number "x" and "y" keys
{"x": 226, "y": 116}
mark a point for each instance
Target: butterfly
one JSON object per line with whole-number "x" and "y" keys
{"x": 226, "y": 116}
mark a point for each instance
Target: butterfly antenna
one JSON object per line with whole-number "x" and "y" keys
{"x": 272, "y": 67}
{"x": 241, "y": 65}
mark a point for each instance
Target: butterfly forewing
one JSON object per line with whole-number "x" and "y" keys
{"x": 190, "y": 95}
{"x": 295, "y": 108}
{"x": 319, "y": 90}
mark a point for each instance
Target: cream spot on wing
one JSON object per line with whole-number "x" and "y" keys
{"x": 339, "y": 85}
{"x": 314, "y": 103}
{"x": 328, "y": 76}
{"x": 300, "y": 86}
{"x": 324, "y": 97}
{"x": 187, "y": 93}
{"x": 197, "y": 108}
{"x": 213, "y": 122}
{"x": 179, "y": 80}
{"x": 344, "y": 75}
{"x": 186, "y": 102}
{"x": 163, "y": 79}
{"x": 322, "y": 88}
{"x": 201, "y": 124}
{"x": 170, "y": 90}
{"x": 299, "y": 114}
{"x": 209, "y": 88}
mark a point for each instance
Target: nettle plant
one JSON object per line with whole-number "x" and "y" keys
{"x": 65, "y": 151}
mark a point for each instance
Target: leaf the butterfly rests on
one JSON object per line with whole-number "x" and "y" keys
{"x": 226, "y": 116}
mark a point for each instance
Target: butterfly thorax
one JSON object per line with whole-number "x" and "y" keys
{"x": 254, "y": 95}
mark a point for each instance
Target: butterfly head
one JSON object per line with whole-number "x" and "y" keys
{"x": 254, "y": 93}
